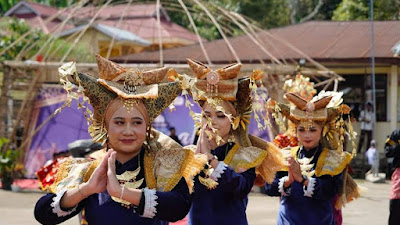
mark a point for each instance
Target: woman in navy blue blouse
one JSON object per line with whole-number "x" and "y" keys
{"x": 316, "y": 170}
{"x": 221, "y": 191}
{"x": 140, "y": 180}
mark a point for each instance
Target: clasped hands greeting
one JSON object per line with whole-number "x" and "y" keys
{"x": 103, "y": 178}
{"x": 294, "y": 173}
{"x": 204, "y": 147}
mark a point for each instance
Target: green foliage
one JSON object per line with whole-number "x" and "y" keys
{"x": 57, "y": 3}
{"x": 359, "y": 10}
{"x": 203, "y": 23}
{"x": 9, "y": 165}
{"x": 351, "y": 10}
{"x": 5, "y": 5}
{"x": 277, "y": 13}
{"x": 327, "y": 9}
{"x": 14, "y": 28}
{"x": 268, "y": 14}
{"x": 265, "y": 13}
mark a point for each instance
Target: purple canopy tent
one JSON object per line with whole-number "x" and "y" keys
{"x": 67, "y": 126}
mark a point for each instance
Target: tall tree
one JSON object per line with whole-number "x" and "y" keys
{"x": 359, "y": 10}
{"x": 5, "y": 5}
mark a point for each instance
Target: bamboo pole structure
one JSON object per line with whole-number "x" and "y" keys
{"x": 219, "y": 30}
{"x": 21, "y": 110}
{"x": 269, "y": 68}
{"x": 111, "y": 45}
{"x": 196, "y": 31}
{"x": 226, "y": 23}
{"x": 5, "y": 90}
{"x": 48, "y": 119}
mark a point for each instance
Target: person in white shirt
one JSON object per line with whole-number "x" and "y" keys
{"x": 373, "y": 159}
{"x": 367, "y": 124}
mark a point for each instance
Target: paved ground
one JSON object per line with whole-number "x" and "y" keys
{"x": 371, "y": 209}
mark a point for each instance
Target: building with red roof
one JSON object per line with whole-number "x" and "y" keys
{"x": 134, "y": 27}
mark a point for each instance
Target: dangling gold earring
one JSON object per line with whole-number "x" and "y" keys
{"x": 231, "y": 137}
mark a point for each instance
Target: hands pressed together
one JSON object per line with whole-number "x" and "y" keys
{"x": 295, "y": 173}
{"x": 204, "y": 147}
{"x": 103, "y": 178}
{"x": 203, "y": 143}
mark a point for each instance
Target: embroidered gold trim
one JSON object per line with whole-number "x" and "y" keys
{"x": 64, "y": 172}
{"x": 90, "y": 170}
{"x": 151, "y": 181}
{"x": 195, "y": 165}
{"x": 174, "y": 180}
{"x": 208, "y": 182}
{"x": 319, "y": 171}
{"x": 231, "y": 153}
{"x": 245, "y": 165}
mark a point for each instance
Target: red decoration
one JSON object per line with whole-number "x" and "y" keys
{"x": 39, "y": 58}
{"x": 47, "y": 174}
{"x": 283, "y": 141}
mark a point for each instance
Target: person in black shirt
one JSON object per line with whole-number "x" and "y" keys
{"x": 172, "y": 134}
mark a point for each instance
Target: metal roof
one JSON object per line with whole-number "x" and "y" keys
{"x": 321, "y": 40}
{"x": 120, "y": 35}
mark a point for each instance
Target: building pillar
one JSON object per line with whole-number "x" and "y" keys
{"x": 393, "y": 97}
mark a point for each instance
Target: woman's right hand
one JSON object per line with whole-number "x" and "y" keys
{"x": 97, "y": 183}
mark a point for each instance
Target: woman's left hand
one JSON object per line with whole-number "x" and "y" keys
{"x": 113, "y": 187}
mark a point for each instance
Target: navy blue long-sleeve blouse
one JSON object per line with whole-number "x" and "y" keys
{"x": 226, "y": 204}
{"x": 101, "y": 209}
{"x": 311, "y": 205}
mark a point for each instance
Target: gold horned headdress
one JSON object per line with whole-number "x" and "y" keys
{"x": 236, "y": 98}
{"x": 325, "y": 109}
{"x": 130, "y": 85}
{"x": 223, "y": 84}
{"x": 165, "y": 161}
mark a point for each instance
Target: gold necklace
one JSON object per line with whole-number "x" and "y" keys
{"x": 128, "y": 180}
{"x": 305, "y": 163}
